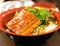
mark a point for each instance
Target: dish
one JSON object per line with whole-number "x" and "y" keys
{"x": 9, "y": 14}
{"x": 35, "y": 21}
{"x": 28, "y": 39}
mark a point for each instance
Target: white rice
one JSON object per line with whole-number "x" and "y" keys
{"x": 50, "y": 27}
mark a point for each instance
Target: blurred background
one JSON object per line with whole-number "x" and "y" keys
{"x": 53, "y": 1}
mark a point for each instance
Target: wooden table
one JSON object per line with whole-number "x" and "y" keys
{"x": 5, "y": 41}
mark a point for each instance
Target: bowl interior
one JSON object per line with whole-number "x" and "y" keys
{"x": 8, "y": 15}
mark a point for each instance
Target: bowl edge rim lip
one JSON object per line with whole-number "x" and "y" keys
{"x": 26, "y": 35}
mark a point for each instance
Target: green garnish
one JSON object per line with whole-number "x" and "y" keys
{"x": 40, "y": 13}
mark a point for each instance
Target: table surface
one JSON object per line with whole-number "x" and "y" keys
{"x": 52, "y": 41}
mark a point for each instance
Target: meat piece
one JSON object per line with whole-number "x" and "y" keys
{"x": 24, "y": 23}
{"x": 31, "y": 28}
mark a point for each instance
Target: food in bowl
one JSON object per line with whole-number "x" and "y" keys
{"x": 32, "y": 21}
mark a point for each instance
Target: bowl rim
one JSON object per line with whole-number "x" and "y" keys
{"x": 13, "y": 10}
{"x": 44, "y": 4}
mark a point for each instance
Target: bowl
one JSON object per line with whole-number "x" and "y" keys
{"x": 7, "y": 15}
